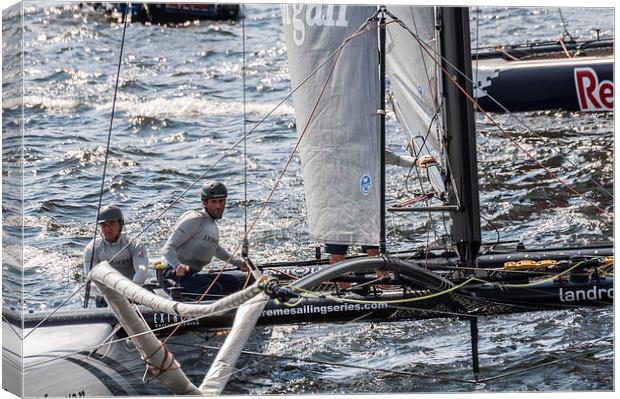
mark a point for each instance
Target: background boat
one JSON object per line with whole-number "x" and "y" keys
{"x": 572, "y": 75}
{"x": 172, "y": 13}
{"x": 174, "y": 103}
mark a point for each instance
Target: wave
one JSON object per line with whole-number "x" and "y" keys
{"x": 189, "y": 106}
{"x": 63, "y": 105}
{"x": 156, "y": 108}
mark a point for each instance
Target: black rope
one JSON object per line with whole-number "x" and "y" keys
{"x": 327, "y": 363}
{"x": 552, "y": 362}
{"x": 496, "y": 231}
{"x": 566, "y": 33}
{"x": 245, "y": 247}
{"x": 107, "y": 151}
{"x": 54, "y": 311}
{"x": 415, "y": 156}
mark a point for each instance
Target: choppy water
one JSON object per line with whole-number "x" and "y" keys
{"x": 180, "y": 106}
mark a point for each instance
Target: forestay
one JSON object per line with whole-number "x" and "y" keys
{"x": 339, "y": 150}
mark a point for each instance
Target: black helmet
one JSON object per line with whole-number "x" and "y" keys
{"x": 111, "y": 212}
{"x": 213, "y": 189}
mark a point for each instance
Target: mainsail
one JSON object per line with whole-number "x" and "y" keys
{"x": 339, "y": 149}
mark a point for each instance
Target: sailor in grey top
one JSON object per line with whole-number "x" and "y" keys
{"x": 193, "y": 244}
{"x": 132, "y": 262}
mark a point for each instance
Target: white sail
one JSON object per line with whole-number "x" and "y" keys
{"x": 339, "y": 151}
{"x": 413, "y": 71}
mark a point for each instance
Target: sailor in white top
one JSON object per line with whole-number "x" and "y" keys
{"x": 132, "y": 262}
{"x": 193, "y": 244}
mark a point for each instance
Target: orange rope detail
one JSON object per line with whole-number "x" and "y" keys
{"x": 416, "y": 199}
{"x": 502, "y": 50}
{"x": 564, "y": 48}
{"x": 289, "y": 275}
{"x": 161, "y": 368}
{"x": 425, "y": 161}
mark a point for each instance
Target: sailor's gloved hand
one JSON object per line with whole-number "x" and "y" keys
{"x": 244, "y": 266}
{"x": 181, "y": 269}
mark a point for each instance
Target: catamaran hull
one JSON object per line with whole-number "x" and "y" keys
{"x": 574, "y": 84}
{"x": 52, "y": 368}
{"x": 475, "y": 300}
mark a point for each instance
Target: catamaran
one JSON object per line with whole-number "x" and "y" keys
{"x": 339, "y": 57}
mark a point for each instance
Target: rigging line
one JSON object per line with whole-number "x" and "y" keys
{"x": 566, "y": 158}
{"x": 421, "y": 183}
{"x": 499, "y": 270}
{"x": 501, "y": 129}
{"x": 8, "y": 323}
{"x": 499, "y": 104}
{"x": 413, "y": 240}
{"x": 423, "y": 145}
{"x": 278, "y": 271}
{"x": 107, "y": 152}
{"x": 110, "y": 337}
{"x": 54, "y": 311}
{"x": 327, "y": 363}
{"x": 429, "y": 222}
{"x": 312, "y": 294}
{"x": 245, "y": 154}
{"x": 423, "y": 310}
{"x": 496, "y": 230}
{"x": 531, "y": 284}
{"x": 566, "y": 33}
{"x": 504, "y": 375}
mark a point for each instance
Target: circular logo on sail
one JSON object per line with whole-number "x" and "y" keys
{"x": 365, "y": 184}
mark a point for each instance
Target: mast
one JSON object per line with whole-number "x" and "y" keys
{"x": 382, "y": 241}
{"x": 460, "y": 132}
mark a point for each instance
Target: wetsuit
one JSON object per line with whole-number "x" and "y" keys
{"x": 194, "y": 242}
{"x": 132, "y": 262}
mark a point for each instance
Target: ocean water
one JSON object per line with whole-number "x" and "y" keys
{"x": 180, "y": 107}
